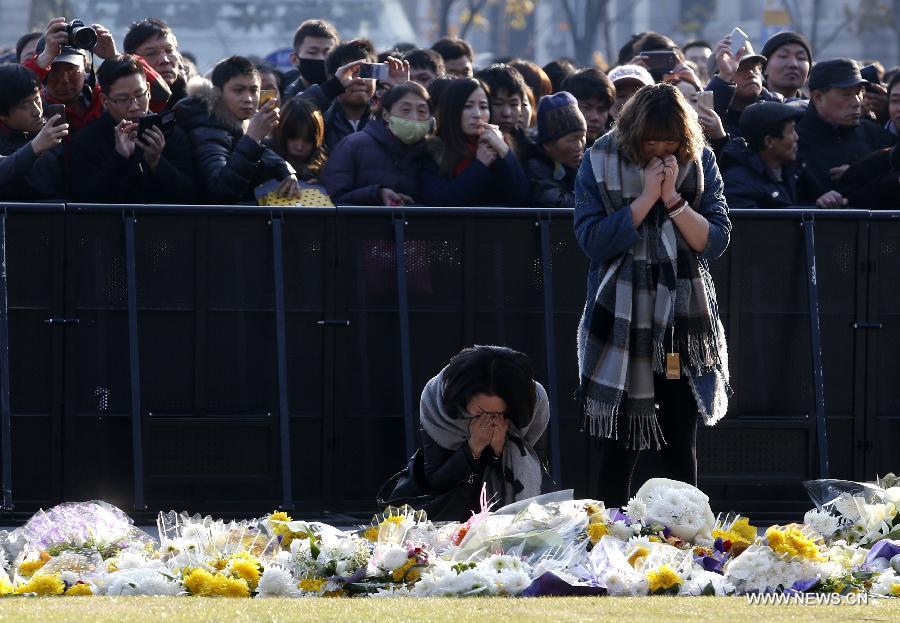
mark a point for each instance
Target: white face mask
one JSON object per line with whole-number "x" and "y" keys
{"x": 410, "y": 131}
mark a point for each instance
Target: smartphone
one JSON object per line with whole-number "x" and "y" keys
{"x": 146, "y": 122}
{"x": 869, "y": 74}
{"x": 167, "y": 122}
{"x": 738, "y": 39}
{"x": 661, "y": 61}
{"x": 373, "y": 71}
{"x": 705, "y": 99}
{"x": 265, "y": 95}
{"x": 55, "y": 109}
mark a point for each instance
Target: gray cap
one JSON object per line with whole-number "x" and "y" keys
{"x": 839, "y": 73}
{"x": 69, "y": 55}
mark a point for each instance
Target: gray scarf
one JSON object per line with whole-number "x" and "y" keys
{"x": 521, "y": 469}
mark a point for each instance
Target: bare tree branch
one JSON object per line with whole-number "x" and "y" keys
{"x": 475, "y": 7}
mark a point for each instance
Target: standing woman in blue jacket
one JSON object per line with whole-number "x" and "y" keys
{"x": 471, "y": 164}
{"x": 652, "y": 358}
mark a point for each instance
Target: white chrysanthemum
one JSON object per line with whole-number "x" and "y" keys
{"x": 680, "y": 507}
{"x": 277, "y": 582}
{"x": 698, "y": 580}
{"x": 636, "y": 509}
{"x": 142, "y": 582}
{"x": 625, "y": 584}
{"x": 512, "y": 581}
{"x": 885, "y": 582}
{"x": 759, "y": 568}
{"x": 849, "y": 506}
{"x": 133, "y": 560}
{"x": 474, "y": 582}
{"x": 390, "y": 557}
{"x": 822, "y": 522}
{"x": 623, "y": 531}
{"x": 878, "y": 516}
{"x": 845, "y": 555}
{"x": 498, "y": 563}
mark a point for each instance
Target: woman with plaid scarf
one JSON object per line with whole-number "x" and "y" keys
{"x": 649, "y": 214}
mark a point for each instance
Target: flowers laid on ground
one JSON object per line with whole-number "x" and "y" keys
{"x": 665, "y": 541}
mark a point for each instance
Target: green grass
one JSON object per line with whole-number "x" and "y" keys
{"x": 472, "y": 610}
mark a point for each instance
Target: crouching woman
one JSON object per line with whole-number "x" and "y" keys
{"x": 484, "y": 422}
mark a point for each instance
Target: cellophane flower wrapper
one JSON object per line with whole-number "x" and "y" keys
{"x": 534, "y": 528}
{"x": 83, "y": 527}
{"x": 863, "y": 513}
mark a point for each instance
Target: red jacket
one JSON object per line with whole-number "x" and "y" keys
{"x": 78, "y": 118}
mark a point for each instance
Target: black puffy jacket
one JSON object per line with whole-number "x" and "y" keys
{"x": 750, "y": 184}
{"x": 229, "y": 163}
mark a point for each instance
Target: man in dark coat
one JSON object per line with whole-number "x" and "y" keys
{"x": 758, "y": 168}
{"x": 30, "y": 150}
{"x": 833, "y": 134}
{"x": 313, "y": 41}
{"x": 227, "y": 127}
{"x": 554, "y": 162}
{"x": 112, "y": 163}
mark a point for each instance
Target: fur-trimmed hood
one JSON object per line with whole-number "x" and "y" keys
{"x": 204, "y": 107}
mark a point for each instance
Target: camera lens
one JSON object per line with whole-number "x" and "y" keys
{"x": 81, "y": 36}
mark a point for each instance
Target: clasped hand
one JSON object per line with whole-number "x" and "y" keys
{"x": 660, "y": 176}
{"x": 487, "y": 430}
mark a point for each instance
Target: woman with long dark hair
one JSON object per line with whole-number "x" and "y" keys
{"x": 470, "y": 163}
{"x": 652, "y": 357}
{"x": 300, "y": 138}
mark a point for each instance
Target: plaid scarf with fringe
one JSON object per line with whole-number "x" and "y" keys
{"x": 655, "y": 296}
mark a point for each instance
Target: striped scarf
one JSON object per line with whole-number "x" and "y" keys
{"x": 655, "y": 297}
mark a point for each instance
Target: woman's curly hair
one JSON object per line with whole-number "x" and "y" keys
{"x": 658, "y": 112}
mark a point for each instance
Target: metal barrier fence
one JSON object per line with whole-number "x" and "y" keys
{"x": 234, "y": 359}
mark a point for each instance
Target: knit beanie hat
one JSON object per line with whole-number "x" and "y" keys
{"x": 558, "y": 115}
{"x": 783, "y": 38}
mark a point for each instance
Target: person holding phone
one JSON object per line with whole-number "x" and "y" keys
{"x": 382, "y": 164}
{"x": 484, "y": 423}
{"x": 471, "y": 163}
{"x": 227, "y": 128}
{"x": 650, "y": 214}
{"x": 30, "y": 147}
{"x": 737, "y": 82}
{"x": 112, "y": 162}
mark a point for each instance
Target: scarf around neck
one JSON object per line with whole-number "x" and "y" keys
{"x": 520, "y": 476}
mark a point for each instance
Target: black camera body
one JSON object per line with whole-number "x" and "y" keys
{"x": 81, "y": 36}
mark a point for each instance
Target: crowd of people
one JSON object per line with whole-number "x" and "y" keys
{"x": 83, "y": 119}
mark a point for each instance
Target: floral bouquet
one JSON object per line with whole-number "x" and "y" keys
{"x": 857, "y": 512}
{"x": 83, "y": 527}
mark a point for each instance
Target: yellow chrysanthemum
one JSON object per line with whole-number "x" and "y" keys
{"x": 597, "y": 531}
{"x": 79, "y": 590}
{"x": 6, "y": 588}
{"x": 218, "y": 563}
{"x": 640, "y": 552}
{"x": 312, "y": 585}
{"x": 280, "y": 516}
{"x": 246, "y": 570}
{"x": 198, "y": 581}
{"x": 591, "y": 509}
{"x": 791, "y": 542}
{"x": 27, "y": 568}
{"x": 338, "y": 593}
{"x": 663, "y": 579}
{"x": 371, "y": 534}
{"x": 48, "y": 584}
{"x": 233, "y": 587}
{"x": 111, "y": 566}
{"x": 400, "y": 573}
{"x": 741, "y": 534}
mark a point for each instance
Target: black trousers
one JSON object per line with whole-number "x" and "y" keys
{"x": 678, "y": 418}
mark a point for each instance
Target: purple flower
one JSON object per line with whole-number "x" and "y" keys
{"x": 802, "y": 586}
{"x": 883, "y": 549}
